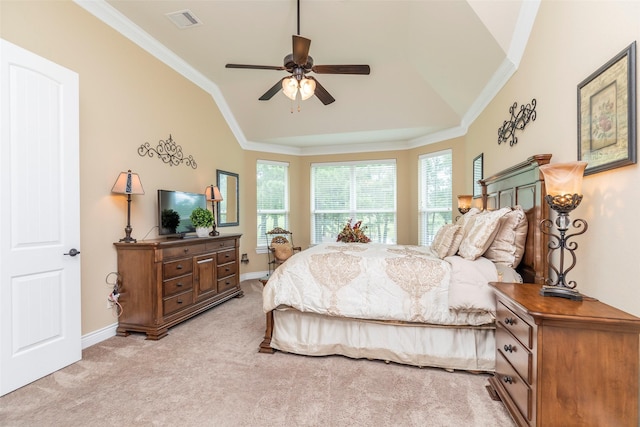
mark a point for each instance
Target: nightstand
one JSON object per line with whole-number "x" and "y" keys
{"x": 564, "y": 363}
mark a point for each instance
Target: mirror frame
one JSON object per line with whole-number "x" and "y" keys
{"x": 219, "y": 176}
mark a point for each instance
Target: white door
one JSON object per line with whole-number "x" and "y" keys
{"x": 39, "y": 218}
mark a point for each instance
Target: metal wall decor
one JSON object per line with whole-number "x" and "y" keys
{"x": 167, "y": 151}
{"x": 518, "y": 121}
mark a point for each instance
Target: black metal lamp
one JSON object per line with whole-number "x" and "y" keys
{"x": 212, "y": 194}
{"x": 563, "y": 182}
{"x": 128, "y": 183}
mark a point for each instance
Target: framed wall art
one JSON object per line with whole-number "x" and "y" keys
{"x": 607, "y": 114}
{"x": 477, "y": 175}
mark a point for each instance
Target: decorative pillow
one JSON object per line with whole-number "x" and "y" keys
{"x": 508, "y": 244}
{"x": 479, "y": 233}
{"x": 444, "y": 239}
{"x": 282, "y": 248}
{"x": 466, "y": 217}
{"x": 455, "y": 244}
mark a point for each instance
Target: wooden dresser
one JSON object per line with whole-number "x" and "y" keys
{"x": 164, "y": 282}
{"x": 564, "y": 363}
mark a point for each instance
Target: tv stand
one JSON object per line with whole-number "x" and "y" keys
{"x": 167, "y": 281}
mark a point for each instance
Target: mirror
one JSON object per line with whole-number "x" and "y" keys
{"x": 229, "y": 207}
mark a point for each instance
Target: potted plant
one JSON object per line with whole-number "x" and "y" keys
{"x": 170, "y": 220}
{"x": 201, "y": 219}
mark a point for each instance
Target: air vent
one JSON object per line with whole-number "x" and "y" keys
{"x": 184, "y": 19}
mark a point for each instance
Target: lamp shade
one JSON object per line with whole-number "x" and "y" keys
{"x": 290, "y": 87}
{"x": 563, "y": 178}
{"x": 464, "y": 201}
{"x": 128, "y": 183}
{"x": 212, "y": 193}
{"x": 307, "y": 88}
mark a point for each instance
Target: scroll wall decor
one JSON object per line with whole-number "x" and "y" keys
{"x": 167, "y": 151}
{"x": 518, "y": 121}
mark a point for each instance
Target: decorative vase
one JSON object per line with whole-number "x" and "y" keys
{"x": 202, "y": 231}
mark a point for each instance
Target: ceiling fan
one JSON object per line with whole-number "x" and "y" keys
{"x": 299, "y": 63}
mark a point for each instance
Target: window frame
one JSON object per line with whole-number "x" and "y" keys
{"x": 423, "y": 235}
{"x": 353, "y": 212}
{"x": 261, "y": 238}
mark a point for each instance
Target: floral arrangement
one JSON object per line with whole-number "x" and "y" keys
{"x": 355, "y": 233}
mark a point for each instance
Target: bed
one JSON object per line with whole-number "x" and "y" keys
{"x": 434, "y": 307}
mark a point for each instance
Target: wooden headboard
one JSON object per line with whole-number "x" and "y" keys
{"x": 523, "y": 185}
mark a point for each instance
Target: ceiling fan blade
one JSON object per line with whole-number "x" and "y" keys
{"x": 256, "y": 67}
{"x": 300, "y": 50}
{"x": 274, "y": 89}
{"x": 341, "y": 69}
{"x": 322, "y": 94}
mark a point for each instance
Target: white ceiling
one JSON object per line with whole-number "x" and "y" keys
{"x": 434, "y": 64}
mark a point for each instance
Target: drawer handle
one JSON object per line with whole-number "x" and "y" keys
{"x": 179, "y": 267}
{"x": 510, "y": 348}
{"x": 186, "y": 250}
{"x": 179, "y": 301}
{"x": 179, "y": 284}
{"x": 509, "y": 321}
{"x": 226, "y": 269}
{"x": 226, "y": 255}
{"x": 507, "y": 379}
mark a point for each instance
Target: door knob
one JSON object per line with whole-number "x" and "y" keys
{"x": 73, "y": 252}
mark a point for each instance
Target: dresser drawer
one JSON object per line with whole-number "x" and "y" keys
{"x": 177, "y": 268}
{"x": 178, "y": 302}
{"x": 516, "y": 354}
{"x": 183, "y": 251}
{"x": 221, "y": 244}
{"x": 227, "y": 283}
{"x": 515, "y": 324}
{"x": 226, "y": 256}
{"x": 227, "y": 270}
{"x": 177, "y": 285}
{"x": 517, "y": 388}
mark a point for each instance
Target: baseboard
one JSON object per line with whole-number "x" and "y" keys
{"x": 110, "y": 331}
{"x": 254, "y": 275}
{"x": 100, "y": 335}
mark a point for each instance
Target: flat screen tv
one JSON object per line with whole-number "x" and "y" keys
{"x": 174, "y": 209}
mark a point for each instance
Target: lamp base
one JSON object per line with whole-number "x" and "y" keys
{"x": 127, "y": 238}
{"x": 559, "y": 291}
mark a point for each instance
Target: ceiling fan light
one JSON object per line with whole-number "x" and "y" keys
{"x": 290, "y": 87}
{"x": 307, "y": 88}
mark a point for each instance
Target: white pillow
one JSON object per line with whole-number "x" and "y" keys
{"x": 444, "y": 239}
{"x": 479, "y": 233}
{"x": 508, "y": 244}
{"x": 455, "y": 243}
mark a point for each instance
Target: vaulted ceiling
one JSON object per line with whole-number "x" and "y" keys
{"x": 435, "y": 64}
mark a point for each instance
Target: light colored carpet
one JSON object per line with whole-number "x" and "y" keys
{"x": 208, "y": 372}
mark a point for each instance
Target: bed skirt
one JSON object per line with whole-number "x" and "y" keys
{"x": 469, "y": 348}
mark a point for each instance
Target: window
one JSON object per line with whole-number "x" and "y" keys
{"x": 360, "y": 191}
{"x": 272, "y": 184}
{"x": 434, "y": 198}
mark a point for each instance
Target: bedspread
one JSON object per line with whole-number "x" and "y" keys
{"x": 372, "y": 281}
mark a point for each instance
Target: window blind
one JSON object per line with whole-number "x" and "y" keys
{"x": 360, "y": 191}
{"x": 272, "y": 198}
{"x": 435, "y": 193}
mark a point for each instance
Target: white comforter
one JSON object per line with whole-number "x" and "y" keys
{"x": 383, "y": 282}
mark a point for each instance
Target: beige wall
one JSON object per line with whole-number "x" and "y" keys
{"x": 127, "y": 97}
{"x": 570, "y": 40}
